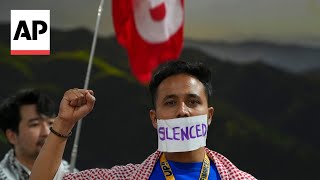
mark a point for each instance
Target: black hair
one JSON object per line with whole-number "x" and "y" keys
{"x": 196, "y": 69}
{"x": 10, "y": 107}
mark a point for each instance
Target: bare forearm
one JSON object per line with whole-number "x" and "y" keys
{"x": 75, "y": 104}
{"x": 49, "y": 159}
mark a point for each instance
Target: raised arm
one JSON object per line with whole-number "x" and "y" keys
{"x": 75, "y": 104}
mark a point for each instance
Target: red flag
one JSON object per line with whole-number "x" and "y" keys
{"x": 150, "y": 30}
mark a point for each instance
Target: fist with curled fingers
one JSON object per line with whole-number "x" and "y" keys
{"x": 75, "y": 104}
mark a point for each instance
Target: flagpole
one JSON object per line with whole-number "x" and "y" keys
{"x": 86, "y": 84}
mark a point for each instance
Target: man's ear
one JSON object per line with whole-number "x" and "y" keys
{"x": 11, "y": 136}
{"x": 210, "y": 115}
{"x": 153, "y": 117}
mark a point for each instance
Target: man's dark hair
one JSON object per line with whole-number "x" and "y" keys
{"x": 196, "y": 69}
{"x": 10, "y": 107}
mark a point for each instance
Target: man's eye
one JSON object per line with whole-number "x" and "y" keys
{"x": 193, "y": 102}
{"x": 170, "y": 102}
{"x": 34, "y": 124}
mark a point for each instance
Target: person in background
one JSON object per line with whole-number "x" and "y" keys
{"x": 25, "y": 118}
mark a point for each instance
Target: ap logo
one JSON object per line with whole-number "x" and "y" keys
{"x": 30, "y": 32}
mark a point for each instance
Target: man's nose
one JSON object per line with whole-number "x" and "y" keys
{"x": 45, "y": 129}
{"x": 183, "y": 110}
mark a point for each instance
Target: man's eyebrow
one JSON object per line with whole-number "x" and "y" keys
{"x": 193, "y": 95}
{"x": 34, "y": 119}
{"x": 169, "y": 96}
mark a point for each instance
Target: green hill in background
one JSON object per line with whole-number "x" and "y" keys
{"x": 265, "y": 119}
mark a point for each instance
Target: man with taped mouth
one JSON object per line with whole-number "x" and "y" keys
{"x": 25, "y": 119}
{"x": 181, "y": 115}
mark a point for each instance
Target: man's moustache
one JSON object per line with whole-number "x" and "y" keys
{"x": 41, "y": 142}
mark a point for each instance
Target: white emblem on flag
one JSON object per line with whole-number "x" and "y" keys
{"x": 157, "y": 31}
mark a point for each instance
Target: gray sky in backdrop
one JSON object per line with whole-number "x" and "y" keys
{"x": 288, "y": 21}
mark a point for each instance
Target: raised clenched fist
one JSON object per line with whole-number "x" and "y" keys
{"x": 75, "y": 104}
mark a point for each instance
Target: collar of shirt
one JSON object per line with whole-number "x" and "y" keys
{"x": 13, "y": 168}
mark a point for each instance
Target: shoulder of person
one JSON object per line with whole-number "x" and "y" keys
{"x": 132, "y": 171}
{"x": 3, "y": 175}
{"x": 116, "y": 172}
{"x": 4, "y": 164}
{"x": 66, "y": 166}
{"x": 65, "y": 163}
{"x": 226, "y": 167}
